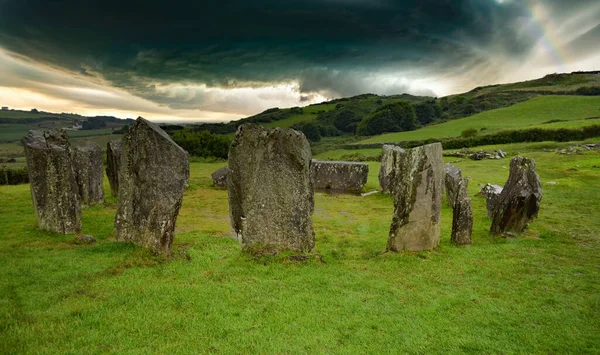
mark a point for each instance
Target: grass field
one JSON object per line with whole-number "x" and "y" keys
{"x": 528, "y": 114}
{"x": 538, "y": 293}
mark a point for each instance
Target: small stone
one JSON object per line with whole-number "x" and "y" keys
{"x": 339, "y": 176}
{"x": 88, "y": 165}
{"x": 270, "y": 188}
{"x": 219, "y": 178}
{"x": 53, "y": 181}
{"x": 551, "y": 183}
{"x": 113, "y": 162}
{"x": 519, "y": 202}
{"x": 418, "y": 182}
{"x": 86, "y": 239}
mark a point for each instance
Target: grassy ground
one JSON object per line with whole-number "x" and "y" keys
{"x": 539, "y": 293}
{"x": 534, "y": 112}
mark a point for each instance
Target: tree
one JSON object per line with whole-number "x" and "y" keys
{"x": 310, "y": 129}
{"x": 396, "y": 117}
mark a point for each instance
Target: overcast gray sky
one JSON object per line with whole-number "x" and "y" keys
{"x": 227, "y": 59}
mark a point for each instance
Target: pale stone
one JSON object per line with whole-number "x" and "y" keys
{"x": 88, "y": 165}
{"x": 418, "y": 193}
{"x": 386, "y": 171}
{"x": 52, "y": 181}
{"x": 339, "y": 176}
{"x": 270, "y": 189}
{"x": 152, "y": 177}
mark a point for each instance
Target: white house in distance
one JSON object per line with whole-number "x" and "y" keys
{"x": 4, "y": 108}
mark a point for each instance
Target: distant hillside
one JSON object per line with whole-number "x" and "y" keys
{"x": 14, "y": 124}
{"x": 371, "y": 114}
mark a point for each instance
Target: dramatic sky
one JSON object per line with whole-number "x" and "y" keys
{"x": 226, "y": 59}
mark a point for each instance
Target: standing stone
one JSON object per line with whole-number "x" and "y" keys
{"x": 339, "y": 176}
{"x": 113, "y": 162}
{"x": 87, "y": 162}
{"x": 418, "y": 193}
{"x": 491, "y": 194}
{"x": 462, "y": 222}
{"x": 219, "y": 178}
{"x": 270, "y": 188}
{"x": 386, "y": 172}
{"x": 452, "y": 182}
{"x": 152, "y": 178}
{"x": 520, "y": 199}
{"x": 52, "y": 181}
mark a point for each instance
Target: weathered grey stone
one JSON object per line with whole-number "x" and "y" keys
{"x": 270, "y": 189}
{"x": 339, "y": 176}
{"x": 52, "y": 181}
{"x": 452, "y": 181}
{"x": 86, "y": 239}
{"x": 462, "y": 222}
{"x": 520, "y": 199}
{"x": 219, "y": 178}
{"x": 491, "y": 194}
{"x": 87, "y": 163}
{"x": 152, "y": 178}
{"x": 418, "y": 193}
{"x": 113, "y": 162}
{"x": 386, "y": 171}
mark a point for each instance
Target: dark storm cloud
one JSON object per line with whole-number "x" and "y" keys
{"x": 334, "y": 47}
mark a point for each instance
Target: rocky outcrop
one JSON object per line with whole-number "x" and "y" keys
{"x": 113, "y": 162}
{"x": 452, "y": 182}
{"x": 339, "y": 176}
{"x": 270, "y": 189}
{"x": 219, "y": 178}
{"x": 386, "y": 171}
{"x": 52, "y": 181}
{"x": 88, "y": 165}
{"x": 152, "y": 178}
{"x": 418, "y": 192}
{"x": 491, "y": 194}
{"x": 519, "y": 202}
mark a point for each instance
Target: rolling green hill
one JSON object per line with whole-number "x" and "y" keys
{"x": 539, "y": 111}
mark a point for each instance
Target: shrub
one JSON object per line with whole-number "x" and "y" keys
{"x": 469, "y": 132}
{"x": 396, "y": 117}
{"x": 13, "y": 176}
{"x": 203, "y": 143}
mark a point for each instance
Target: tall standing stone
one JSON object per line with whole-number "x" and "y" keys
{"x": 152, "y": 178}
{"x": 339, "y": 176}
{"x": 113, "y": 162}
{"x": 418, "y": 193}
{"x": 386, "y": 171}
{"x": 452, "y": 181}
{"x": 52, "y": 181}
{"x": 270, "y": 188}
{"x": 462, "y": 222}
{"x": 87, "y": 162}
{"x": 519, "y": 202}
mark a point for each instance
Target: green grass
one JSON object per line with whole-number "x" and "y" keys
{"x": 527, "y": 114}
{"x": 539, "y": 293}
